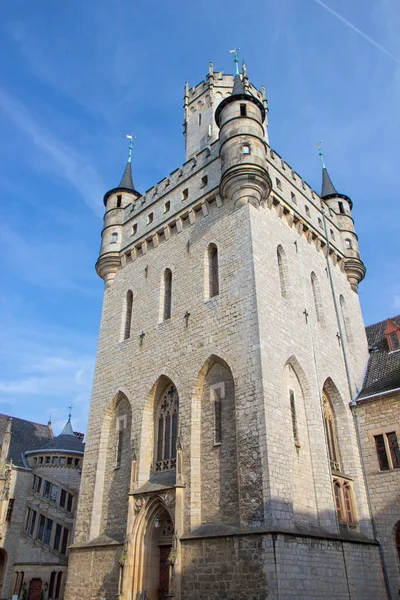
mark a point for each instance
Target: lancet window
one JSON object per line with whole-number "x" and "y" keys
{"x": 330, "y": 428}
{"x": 167, "y": 430}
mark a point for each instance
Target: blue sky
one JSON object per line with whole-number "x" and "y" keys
{"x": 78, "y": 75}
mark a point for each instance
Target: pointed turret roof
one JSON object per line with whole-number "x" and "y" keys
{"x": 328, "y": 190}
{"x": 127, "y": 181}
{"x": 238, "y": 87}
{"x": 67, "y": 441}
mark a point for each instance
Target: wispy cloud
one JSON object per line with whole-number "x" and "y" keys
{"x": 65, "y": 161}
{"x": 357, "y": 30}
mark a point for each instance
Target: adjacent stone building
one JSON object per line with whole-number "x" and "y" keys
{"x": 222, "y": 461}
{"x": 378, "y": 409}
{"x": 39, "y": 487}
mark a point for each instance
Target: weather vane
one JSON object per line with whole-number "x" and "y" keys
{"x": 70, "y": 411}
{"x": 235, "y": 53}
{"x": 320, "y": 152}
{"x": 130, "y": 138}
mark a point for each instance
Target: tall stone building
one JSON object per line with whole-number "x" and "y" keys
{"x": 39, "y": 487}
{"x": 378, "y": 410}
{"x": 222, "y": 460}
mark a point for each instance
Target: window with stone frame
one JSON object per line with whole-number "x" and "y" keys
{"x": 166, "y": 299}
{"x": 330, "y": 429}
{"x": 120, "y": 424}
{"x": 388, "y": 451}
{"x": 213, "y": 271}
{"x": 166, "y": 425}
{"x": 217, "y": 395}
{"x": 316, "y": 290}
{"x": 344, "y": 502}
{"x": 128, "y": 314}
{"x": 283, "y": 270}
{"x": 294, "y": 418}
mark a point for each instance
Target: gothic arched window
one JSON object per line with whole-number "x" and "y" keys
{"x": 213, "y": 271}
{"x": 317, "y": 297}
{"x": 330, "y": 428}
{"x": 344, "y": 502}
{"x": 167, "y": 430}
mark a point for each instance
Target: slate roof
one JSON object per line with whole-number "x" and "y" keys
{"x": 383, "y": 370}
{"x": 25, "y": 435}
{"x": 67, "y": 440}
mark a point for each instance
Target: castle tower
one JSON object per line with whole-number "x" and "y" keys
{"x": 342, "y": 206}
{"x": 115, "y": 201}
{"x": 221, "y": 456}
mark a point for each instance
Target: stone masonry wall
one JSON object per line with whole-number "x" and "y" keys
{"x": 382, "y": 415}
{"x": 93, "y": 573}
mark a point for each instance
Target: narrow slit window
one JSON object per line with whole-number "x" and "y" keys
{"x": 185, "y": 194}
{"x": 119, "y": 201}
{"x": 341, "y": 208}
{"x": 283, "y": 271}
{"x": 316, "y": 290}
{"x": 150, "y": 218}
{"x": 294, "y": 417}
{"x": 213, "y": 271}
{"x": 114, "y": 237}
{"x": 167, "y": 294}
{"x": 307, "y": 209}
{"x": 278, "y": 183}
{"x": 293, "y": 197}
{"x": 243, "y": 110}
{"x": 199, "y": 118}
{"x": 204, "y": 181}
{"x": 167, "y": 206}
{"x": 134, "y": 229}
{"x": 217, "y": 416}
{"x": 10, "y": 509}
{"x": 128, "y": 315}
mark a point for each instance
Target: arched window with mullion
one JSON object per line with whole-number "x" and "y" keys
{"x": 330, "y": 429}
{"x": 167, "y": 430}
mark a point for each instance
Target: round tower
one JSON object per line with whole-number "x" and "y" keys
{"x": 115, "y": 201}
{"x": 342, "y": 206}
{"x": 240, "y": 118}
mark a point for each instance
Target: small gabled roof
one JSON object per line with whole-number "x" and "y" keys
{"x": 383, "y": 369}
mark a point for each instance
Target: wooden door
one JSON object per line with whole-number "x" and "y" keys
{"x": 164, "y": 572}
{"x": 35, "y": 587}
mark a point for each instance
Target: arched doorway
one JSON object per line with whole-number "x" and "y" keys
{"x": 35, "y": 587}
{"x": 154, "y": 550}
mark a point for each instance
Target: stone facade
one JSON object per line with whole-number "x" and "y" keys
{"x": 236, "y": 493}
{"x": 39, "y": 483}
{"x": 378, "y": 412}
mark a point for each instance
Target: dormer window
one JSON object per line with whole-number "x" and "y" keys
{"x": 392, "y": 333}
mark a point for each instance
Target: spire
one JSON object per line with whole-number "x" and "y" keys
{"x": 127, "y": 181}
{"x": 235, "y": 53}
{"x": 68, "y": 427}
{"x": 328, "y": 190}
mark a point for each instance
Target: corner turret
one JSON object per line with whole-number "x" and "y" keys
{"x": 240, "y": 117}
{"x": 342, "y": 206}
{"x": 115, "y": 201}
